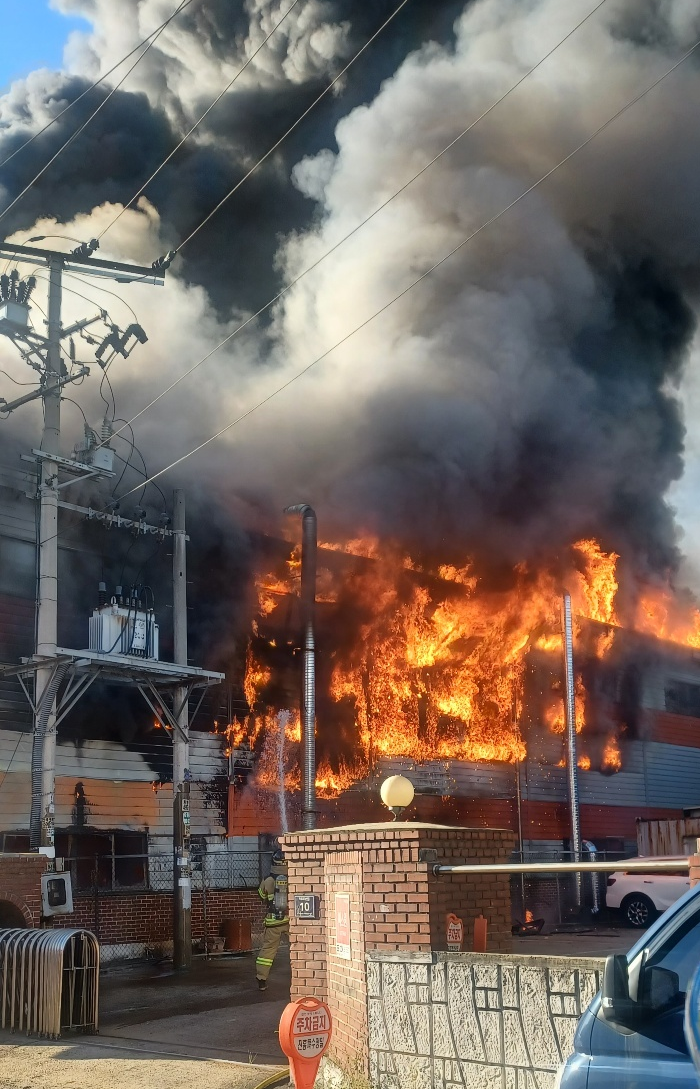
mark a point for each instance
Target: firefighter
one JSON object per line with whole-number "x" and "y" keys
{"x": 273, "y": 892}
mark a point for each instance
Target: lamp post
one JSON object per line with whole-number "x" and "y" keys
{"x": 397, "y": 793}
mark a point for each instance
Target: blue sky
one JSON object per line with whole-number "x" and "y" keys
{"x": 32, "y": 35}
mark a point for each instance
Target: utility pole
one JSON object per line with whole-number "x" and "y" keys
{"x": 47, "y": 603}
{"x": 182, "y": 879}
{"x": 44, "y": 354}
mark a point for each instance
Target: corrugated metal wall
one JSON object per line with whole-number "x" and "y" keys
{"x": 654, "y": 775}
{"x": 17, "y": 588}
{"x": 119, "y": 786}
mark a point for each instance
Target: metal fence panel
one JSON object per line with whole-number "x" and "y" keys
{"x": 49, "y": 981}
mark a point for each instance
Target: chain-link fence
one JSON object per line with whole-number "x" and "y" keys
{"x": 554, "y": 898}
{"x": 117, "y": 898}
{"x": 154, "y": 872}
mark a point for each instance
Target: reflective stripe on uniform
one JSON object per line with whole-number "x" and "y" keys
{"x": 261, "y": 960}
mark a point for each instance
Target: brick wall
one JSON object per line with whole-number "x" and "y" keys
{"x": 695, "y": 869}
{"x": 397, "y": 904}
{"x": 469, "y": 896}
{"x": 146, "y": 918}
{"x": 347, "y": 986}
{"x": 20, "y": 884}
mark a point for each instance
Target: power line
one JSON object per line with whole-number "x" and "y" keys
{"x": 429, "y": 271}
{"x": 98, "y": 287}
{"x": 11, "y": 760}
{"x": 310, "y": 268}
{"x": 100, "y": 79}
{"x": 206, "y": 113}
{"x": 291, "y": 129}
{"x": 95, "y": 112}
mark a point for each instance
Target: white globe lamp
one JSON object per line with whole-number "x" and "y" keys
{"x": 397, "y": 792}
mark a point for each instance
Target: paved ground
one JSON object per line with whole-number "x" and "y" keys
{"x": 164, "y": 1030}
{"x": 212, "y": 1028}
{"x": 585, "y": 943}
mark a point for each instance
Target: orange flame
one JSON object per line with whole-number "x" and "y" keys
{"x": 437, "y": 665}
{"x": 612, "y": 760}
{"x": 598, "y": 582}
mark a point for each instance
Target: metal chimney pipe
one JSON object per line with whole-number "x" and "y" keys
{"x": 309, "y": 542}
{"x": 571, "y": 762}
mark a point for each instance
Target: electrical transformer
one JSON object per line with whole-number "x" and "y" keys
{"x": 124, "y": 626}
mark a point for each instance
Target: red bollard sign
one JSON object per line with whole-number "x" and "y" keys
{"x": 455, "y": 933}
{"x": 305, "y": 1033}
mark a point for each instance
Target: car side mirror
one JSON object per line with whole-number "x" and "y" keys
{"x": 616, "y": 1004}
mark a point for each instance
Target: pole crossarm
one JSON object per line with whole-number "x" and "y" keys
{"x": 87, "y": 265}
{"x": 42, "y": 391}
{"x": 117, "y": 520}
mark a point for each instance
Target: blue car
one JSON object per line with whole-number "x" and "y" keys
{"x": 631, "y": 1036}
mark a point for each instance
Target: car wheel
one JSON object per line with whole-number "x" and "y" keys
{"x": 638, "y": 910}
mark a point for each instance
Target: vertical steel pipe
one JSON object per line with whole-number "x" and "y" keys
{"x": 571, "y": 762}
{"x": 308, "y": 607}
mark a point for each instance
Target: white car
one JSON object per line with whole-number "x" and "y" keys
{"x": 641, "y": 896}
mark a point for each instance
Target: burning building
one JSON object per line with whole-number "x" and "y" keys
{"x": 476, "y": 363}
{"x": 456, "y": 680}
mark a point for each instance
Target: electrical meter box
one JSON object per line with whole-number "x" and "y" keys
{"x": 15, "y": 312}
{"x": 56, "y": 894}
{"x": 118, "y": 629}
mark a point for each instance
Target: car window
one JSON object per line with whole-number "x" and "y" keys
{"x": 681, "y": 953}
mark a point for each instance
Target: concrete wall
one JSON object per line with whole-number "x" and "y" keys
{"x": 444, "y": 1020}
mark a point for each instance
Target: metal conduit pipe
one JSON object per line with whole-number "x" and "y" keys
{"x": 595, "y": 890}
{"x": 571, "y": 760}
{"x": 625, "y": 865}
{"x": 309, "y": 543}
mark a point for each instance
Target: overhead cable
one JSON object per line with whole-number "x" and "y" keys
{"x": 94, "y": 114}
{"x": 292, "y": 127}
{"x": 100, "y": 79}
{"x": 438, "y": 264}
{"x": 197, "y": 123}
{"x": 310, "y": 268}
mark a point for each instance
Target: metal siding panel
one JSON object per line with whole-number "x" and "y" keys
{"x": 673, "y": 775}
{"x": 456, "y": 778}
{"x": 15, "y": 801}
{"x": 622, "y": 788}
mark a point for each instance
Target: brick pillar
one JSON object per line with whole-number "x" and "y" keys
{"x": 695, "y": 866}
{"x": 20, "y": 889}
{"x": 396, "y": 903}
